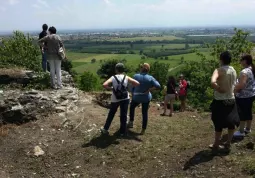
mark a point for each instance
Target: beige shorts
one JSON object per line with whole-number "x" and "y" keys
{"x": 169, "y": 97}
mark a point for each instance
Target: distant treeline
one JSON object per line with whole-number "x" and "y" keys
{"x": 167, "y": 53}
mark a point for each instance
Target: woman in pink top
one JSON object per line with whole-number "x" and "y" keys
{"x": 183, "y": 92}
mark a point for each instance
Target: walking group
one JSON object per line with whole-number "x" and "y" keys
{"x": 231, "y": 106}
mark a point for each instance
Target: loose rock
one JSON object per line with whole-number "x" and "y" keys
{"x": 38, "y": 151}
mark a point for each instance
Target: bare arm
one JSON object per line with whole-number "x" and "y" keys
{"x": 133, "y": 82}
{"x": 107, "y": 83}
{"x": 215, "y": 76}
{"x": 242, "y": 83}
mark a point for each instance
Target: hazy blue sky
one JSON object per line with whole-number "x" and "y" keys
{"x": 93, "y": 14}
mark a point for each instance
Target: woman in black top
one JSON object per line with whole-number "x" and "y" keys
{"x": 170, "y": 95}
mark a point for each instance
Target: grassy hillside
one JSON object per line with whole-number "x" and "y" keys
{"x": 82, "y": 61}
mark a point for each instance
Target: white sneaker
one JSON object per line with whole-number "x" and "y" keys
{"x": 103, "y": 131}
{"x": 130, "y": 124}
{"x": 239, "y": 134}
{"x": 247, "y": 131}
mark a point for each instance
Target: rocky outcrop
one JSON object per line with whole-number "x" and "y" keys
{"x": 18, "y": 106}
{"x": 103, "y": 99}
{"x": 24, "y": 77}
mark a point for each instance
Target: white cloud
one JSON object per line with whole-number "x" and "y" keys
{"x": 36, "y": 6}
{"x": 107, "y": 1}
{"x": 42, "y": 2}
{"x": 13, "y": 2}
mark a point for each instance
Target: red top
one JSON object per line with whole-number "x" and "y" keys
{"x": 183, "y": 88}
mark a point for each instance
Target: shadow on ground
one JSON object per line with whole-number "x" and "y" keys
{"x": 203, "y": 157}
{"x": 104, "y": 141}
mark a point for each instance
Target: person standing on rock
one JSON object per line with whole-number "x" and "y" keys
{"x": 44, "y": 47}
{"x": 223, "y": 107}
{"x": 245, "y": 92}
{"x": 54, "y": 43}
{"x": 142, "y": 94}
{"x": 120, "y": 98}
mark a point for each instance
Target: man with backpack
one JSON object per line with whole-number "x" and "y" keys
{"x": 120, "y": 98}
{"x": 142, "y": 94}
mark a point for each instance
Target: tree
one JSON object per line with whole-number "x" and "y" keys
{"x": 20, "y": 51}
{"x": 143, "y": 57}
{"x": 131, "y": 45}
{"x": 107, "y": 69}
{"x": 186, "y": 46}
{"x": 93, "y": 60}
{"x": 162, "y": 46}
{"x": 123, "y": 60}
{"x": 182, "y": 60}
{"x": 159, "y": 70}
{"x": 67, "y": 65}
{"x": 166, "y": 58}
{"x": 141, "y": 52}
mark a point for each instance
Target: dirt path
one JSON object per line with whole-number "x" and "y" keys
{"x": 172, "y": 147}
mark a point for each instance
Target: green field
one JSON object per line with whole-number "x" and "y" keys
{"x": 149, "y": 38}
{"x": 136, "y": 47}
{"x": 82, "y": 61}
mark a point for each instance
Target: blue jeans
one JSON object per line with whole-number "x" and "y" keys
{"x": 123, "y": 115}
{"x": 145, "y": 108}
{"x": 44, "y": 62}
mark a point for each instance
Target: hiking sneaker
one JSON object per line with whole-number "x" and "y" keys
{"x": 239, "y": 134}
{"x": 103, "y": 131}
{"x": 130, "y": 124}
{"x": 60, "y": 87}
{"x": 246, "y": 131}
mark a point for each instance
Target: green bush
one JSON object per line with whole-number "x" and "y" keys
{"x": 41, "y": 82}
{"x": 88, "y": 82}
{"x": 20, "y": 51}
{"x": 107, "y": 69}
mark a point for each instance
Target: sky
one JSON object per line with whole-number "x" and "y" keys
{"x": 102, "y": 14}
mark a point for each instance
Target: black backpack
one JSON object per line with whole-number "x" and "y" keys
{"x": 121, "y": 91}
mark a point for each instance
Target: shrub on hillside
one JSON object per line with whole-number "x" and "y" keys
{"x": 20, "y": 51}
{"x": 67, "y": 65}
{"x": 88, "y": 82}
{"x": 93, "y": 60}
{"x": 199, "y": 72}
